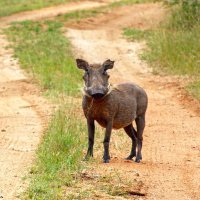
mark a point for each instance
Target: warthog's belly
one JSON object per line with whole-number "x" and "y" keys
{"x": 125, "y": 115}
{"x": 118, "y": 122}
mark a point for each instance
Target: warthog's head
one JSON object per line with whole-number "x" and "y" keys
{"x": 95, "y": 77}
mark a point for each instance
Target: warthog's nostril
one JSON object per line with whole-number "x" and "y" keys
{"x": 97, "y": 95}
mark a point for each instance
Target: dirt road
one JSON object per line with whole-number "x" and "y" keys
{"x": 171, "y": 154}
{"x": 23, "y": 112}
{"x": 21, "y": 123}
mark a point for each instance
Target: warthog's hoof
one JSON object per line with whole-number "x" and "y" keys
{"x": 137, "y": 160}
{"x": 87, "y": 158}
{"x": 130, "y": 157}
{"x": 106, "y": 161}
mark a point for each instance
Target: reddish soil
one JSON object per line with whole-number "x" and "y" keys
{"x": 171, "y": 155}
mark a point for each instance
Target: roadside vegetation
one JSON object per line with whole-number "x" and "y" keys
{"x": 8, "y": 7}
{"x": 129, "y": 2}
{"x": 174, "y": 47}
{"x": 45, "y": 53}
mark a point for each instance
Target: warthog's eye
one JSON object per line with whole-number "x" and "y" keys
{"x": 106, "y": 74}
{"x": 86, "y": 75}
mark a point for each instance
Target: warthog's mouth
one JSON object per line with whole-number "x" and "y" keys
{"x": 98, "y": 95}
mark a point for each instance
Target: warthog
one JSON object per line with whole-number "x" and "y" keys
{"x": 112, "y": 107}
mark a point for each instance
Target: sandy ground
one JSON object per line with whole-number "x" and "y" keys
{"x": 22, "y": 120}
{"x": 171, "y": 155}
{"x": 23, "y": 112}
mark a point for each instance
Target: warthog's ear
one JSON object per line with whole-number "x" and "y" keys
{"x": 82, "y": 64}
{"x": 108, "y": 64}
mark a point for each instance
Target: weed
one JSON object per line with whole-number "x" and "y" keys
{"x": 136, "y": 34}
{"x": 58, "y": 156}
{"x": 194, "y": 89}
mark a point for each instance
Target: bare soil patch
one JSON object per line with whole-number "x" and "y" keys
{"x": 171, "y": 158}
{"x": 143, "y": 16}
{"x": 24, "y": 114}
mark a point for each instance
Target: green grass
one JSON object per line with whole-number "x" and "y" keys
{"x": 81, "y": 14}
{"x": 8, "y": 7}
{"x": 58, "y": 156}
{"x": 45, "y": 53}
{"x": 130, "y": 2}
{"x": 136, "y": 34}
{"x": 175, "y": 52}
{"x": 174, "y": 47}
{"x": 194, "y": 89}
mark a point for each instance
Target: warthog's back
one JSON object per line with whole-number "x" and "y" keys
{"x": 123, "y": 104}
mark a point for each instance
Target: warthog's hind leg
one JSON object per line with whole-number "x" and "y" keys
{"x": 133, "y": 135}
{"x": 140, "y": 122}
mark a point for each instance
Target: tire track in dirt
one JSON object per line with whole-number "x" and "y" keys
{"x": 20, "y": 125}
{"x": 48, "y": 12}
{"x": 170, "y": 169}
{"x": 23, "y": 112}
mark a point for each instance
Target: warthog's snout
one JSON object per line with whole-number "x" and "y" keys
{"x": 97, "y": 95}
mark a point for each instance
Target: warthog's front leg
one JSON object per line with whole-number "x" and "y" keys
{"x": 91, "y": 129}
{"x": 106, "y": 142}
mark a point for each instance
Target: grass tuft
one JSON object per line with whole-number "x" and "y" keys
{"x": 130, "y": 2}
{"x": 58, "y": 157}
{"x": 194, "y": 89}
{"x": 136, "y": 34}
{"x": 8, "y": 7}
{"x": 175, "y": 52}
